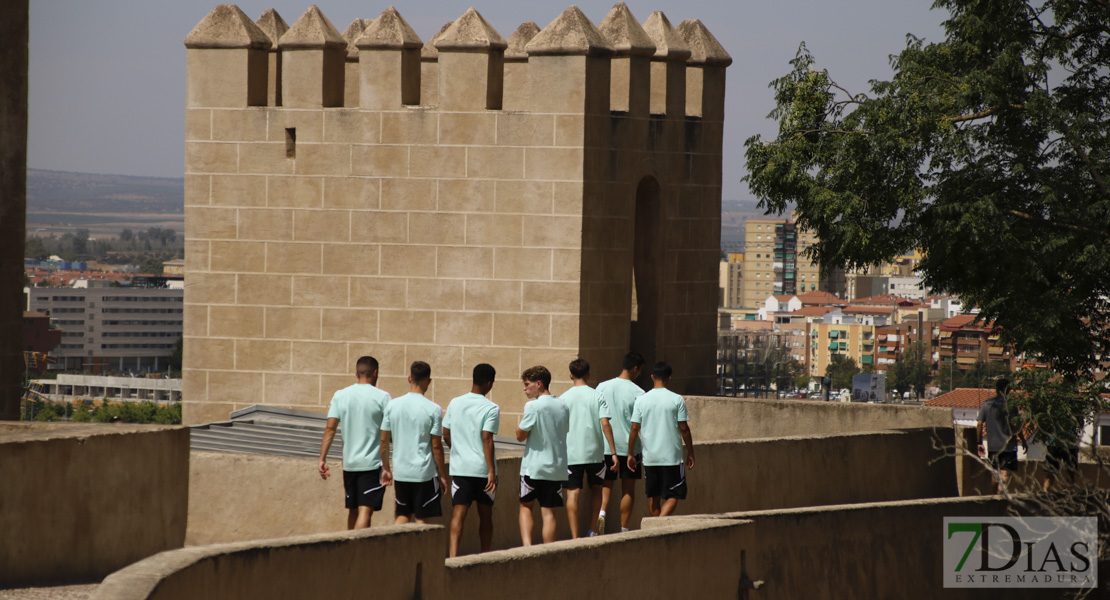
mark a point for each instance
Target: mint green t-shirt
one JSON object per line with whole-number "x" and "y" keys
{"x": 467, "y": 417}
{"x": 621, "y": 395}
{"x": 412, "y": 420}
{"x": 360, "y": 409}
{"x": 545, "y": 451}
{"x": 658, "y": 412}
{"x": 585, "y": 441}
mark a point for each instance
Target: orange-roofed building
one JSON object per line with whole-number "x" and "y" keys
{"x": 964, "y": 340}
{"x": 819, "y": 299}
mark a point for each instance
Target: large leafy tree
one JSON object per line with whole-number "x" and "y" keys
{"x": 910, "y": 370}
{"x": 987, "y": 149}
{"x": 840, "y": 370}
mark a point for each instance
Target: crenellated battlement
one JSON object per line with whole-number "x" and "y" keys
{"x": 381, "y": 63}
{"x": 462, "y": 199}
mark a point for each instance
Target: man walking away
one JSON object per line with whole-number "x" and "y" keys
{"x": 660, "y": 415}
{"x": 414, "y": 425}
{"x": 468, "y": 428}
{"x": 360, "y": 407}
{"x": 589, "y": 430}
{"x": 620, "y": 394}
{"x": 543, "y": 470}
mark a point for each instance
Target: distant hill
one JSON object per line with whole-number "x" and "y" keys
{"x": 65, "y": 192}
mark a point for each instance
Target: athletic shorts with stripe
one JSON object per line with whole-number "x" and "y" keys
{"x": 364, "y": 488}
{"x": 465, "y": 490}
{"x": 594, "y": 473}
{"x": 622, "y": 466}
{"x": 667, "y": 482}
{"x": 421, "y": 499}
{"x": 549, "y": 493}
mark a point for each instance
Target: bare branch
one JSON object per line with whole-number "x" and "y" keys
{"x": 986, "y": 113}
{"x": 1035, "y": 219}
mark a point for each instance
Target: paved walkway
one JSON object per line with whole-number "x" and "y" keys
{"x": 61, "y": 592}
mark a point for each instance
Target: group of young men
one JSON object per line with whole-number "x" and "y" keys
{"x": 586, "y": 437}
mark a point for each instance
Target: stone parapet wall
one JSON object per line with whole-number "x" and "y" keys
{"x": 453, "y": 231}
{"x": 721, "y": 418}
{"x": 241, "y": 497}
{"x": 78, "y": 502}
{"x": 873, "y": 550}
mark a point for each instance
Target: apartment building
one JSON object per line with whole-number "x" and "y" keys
{"x": 122, "y": 329}
{"x": 773, "y": 261}
{"x": 731, "y": 281}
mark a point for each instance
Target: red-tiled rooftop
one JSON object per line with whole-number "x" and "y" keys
{"x": 818, "y": 298}
{"x": 964, "y": 322}
{"x": 962, "y": 398}
{"x": 783, "y": 297}
{"x": 880, "y": 299}
{"x": 812, "y": 311}
{"x": 879, "y": 310}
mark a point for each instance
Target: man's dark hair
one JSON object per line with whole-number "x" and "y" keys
{"x": 484, "y": 374}
{"x": 661, "y": 370}
{"x": 579, "y": 368}
{"x": 1001, "y": 385}
{"x": 420, "y": 371}
{"x": 632, "y": 360}
{"x": 366, "y": 365}
{"x": 538, "y": 373}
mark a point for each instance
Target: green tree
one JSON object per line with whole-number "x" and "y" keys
{"x": 34, "y": 248}
{"x": 840, "y": 369}
{"x": 910, "y": 370}
{"x": 127, "y": 236}
{"x": 151, "y": 265}
{"x": 178, "y": 354}
{"x": 988, "y": 150}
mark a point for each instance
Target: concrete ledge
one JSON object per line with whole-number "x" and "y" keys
{"x": 676, "y": 560}
{"x": 387, "y": 562}
{"x": 722, "y": 418}
{"x": 82, "y": 500}
{"x": 870, "y": 550}
{"x": 236, "y": 497}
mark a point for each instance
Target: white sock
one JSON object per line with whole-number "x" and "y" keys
{"x": 624, "y": 529}
{"x": 601, "y": 513}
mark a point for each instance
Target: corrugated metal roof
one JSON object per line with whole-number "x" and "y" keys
{"x": 286, "y": 432}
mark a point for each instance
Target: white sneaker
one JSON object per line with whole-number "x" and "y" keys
{"x": 601, "y": 524}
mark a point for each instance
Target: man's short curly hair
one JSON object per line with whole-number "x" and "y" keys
{"x": 537, "y": 373}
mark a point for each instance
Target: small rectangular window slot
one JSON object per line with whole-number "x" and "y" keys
{"x": 290, "y": 142}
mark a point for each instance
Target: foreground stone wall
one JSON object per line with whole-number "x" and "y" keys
{"x": 78, "y": 502}
{"x": 237, "y": 497}
{"x": 872, "y": 550}
{"x": 331, "y": 216}
{"x": 390, "y": 562}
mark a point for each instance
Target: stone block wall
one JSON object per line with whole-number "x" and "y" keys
{"x": 339, "y": 209}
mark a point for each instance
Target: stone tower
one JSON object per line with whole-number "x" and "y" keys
{"x": 515, "y": 202}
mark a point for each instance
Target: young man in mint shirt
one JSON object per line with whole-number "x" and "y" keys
{"x": 361, "y": 408}
{"x": 543, "y": 470}
{"x": 660, "y": 417}
{"x": 621, "y": 394}
{"x": 414, "y": 426}
{"x": 469, "y": 425}
{"x": 589, "y": 430}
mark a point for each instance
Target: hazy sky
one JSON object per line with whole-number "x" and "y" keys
{"x": 107, "y": 77}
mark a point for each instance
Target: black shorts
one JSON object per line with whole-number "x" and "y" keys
{"x": 594, "y": 474}
{"x": 625, "y": 472}
{"x": 465, "y": 490}
{"x": 364, "y": 488}
{"x": 667, "y": 482}
{"x": 1062, "y": 458}
{"x": 421, "y": 499}
{"x": 549, "y": 493}
{"x": 1005, "y": 460}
